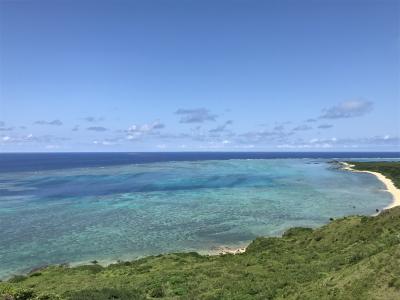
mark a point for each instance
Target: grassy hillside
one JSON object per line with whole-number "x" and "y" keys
{"x": 354, "y": 257}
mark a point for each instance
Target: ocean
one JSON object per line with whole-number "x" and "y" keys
{"x": 77, "y": 207}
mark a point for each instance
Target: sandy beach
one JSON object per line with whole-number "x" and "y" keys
{"x": 222, "y": 250}
{"x": 390, "y": 187}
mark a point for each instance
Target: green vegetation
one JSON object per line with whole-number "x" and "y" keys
{"x": 354, "y": 257}
{"x": 388, "y": 168}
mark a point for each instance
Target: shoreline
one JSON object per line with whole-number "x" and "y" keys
{"x": 388, "y": 183}
{"x": 219, "y": 250}
{"x": 214, "y": 251}
{"x": 222, "y": 250}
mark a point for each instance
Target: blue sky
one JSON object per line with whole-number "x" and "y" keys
{"x": 199, "y": 75}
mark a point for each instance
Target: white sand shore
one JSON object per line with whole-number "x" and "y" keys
{"x": 222, "y": 250}
{"x": 390, "y": 187}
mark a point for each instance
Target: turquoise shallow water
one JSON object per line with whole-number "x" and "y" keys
{"x": 128, "y": 211}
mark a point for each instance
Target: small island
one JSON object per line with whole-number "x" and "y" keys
{"x": 355, "y": 257}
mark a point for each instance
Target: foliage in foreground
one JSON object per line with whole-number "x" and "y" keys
{"x": 354, "y": 257}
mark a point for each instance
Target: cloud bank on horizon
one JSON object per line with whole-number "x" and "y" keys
{"x": 281, "y": 136}
{"x": 157, "y": 77}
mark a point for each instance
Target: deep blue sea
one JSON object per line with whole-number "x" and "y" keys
{"x": 77, "y": 207}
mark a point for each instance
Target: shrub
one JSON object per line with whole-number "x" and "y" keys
{"x": 157, "y": 292}
{"x": 17, "y": 278}
{"x": 104, "y": 294}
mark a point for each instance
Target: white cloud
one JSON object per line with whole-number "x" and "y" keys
{"x": 138, "y": 131}
{"x": 197, "y": 115}
{"x": 365, "y": 142}
{"x": 306, "y": 146}
{"x": 348, "y": 109}
{"x": 31, "y": 139}
{"x": 93, "y": 119}
{"x": 97, "y": 128}
{"x": 302, "y": 128}
{"x": 54, "y": 122}
{"x": 52, "y": 147}
{"x": 222, "y": 127}
{"x": 325, "y": 126}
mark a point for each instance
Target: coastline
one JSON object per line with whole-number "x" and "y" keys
{"x": 390, "y": 187}
{"x": 222, "y": 250}
{"x": 241, "y": 248}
